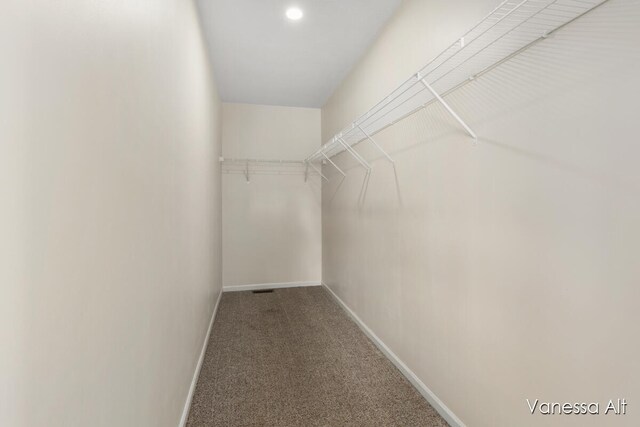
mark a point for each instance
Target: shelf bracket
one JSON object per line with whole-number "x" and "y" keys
{"x": 246, "y": 172}
{"x": 316, "y": 169}
{"x": 376, "y": 144}
{"x": 447, "y": 107}
{"x": 355, "y": 155}
{"x": 306, "y": 171}
{"x": 334, "y": 165}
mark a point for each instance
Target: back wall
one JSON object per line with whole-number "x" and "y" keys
{"x": 271, "y": 225}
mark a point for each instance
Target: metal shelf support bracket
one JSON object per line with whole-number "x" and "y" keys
{"x": 375, "y": 143}
{"x": 354, "y": 153}
{"x": 309, "y": 164}
{"x": 447, "y": 106}
{"x": 334, "y": 165}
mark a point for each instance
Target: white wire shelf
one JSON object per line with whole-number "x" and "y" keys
{"x": 249, "y": 167}
{"x": 509, "y": 29}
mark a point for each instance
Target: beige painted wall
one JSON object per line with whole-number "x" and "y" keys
{"x": 109, "y": 210}
{"x": 272, "y": 225}
{"x": 505, "y": 270}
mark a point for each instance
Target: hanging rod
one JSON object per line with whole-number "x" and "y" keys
{"x": 509, "y": 29}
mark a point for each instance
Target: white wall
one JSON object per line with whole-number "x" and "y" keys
{"x": 507, "y": 270}
{"x": 109, "y": 210}
{"x": 272, "y": 225}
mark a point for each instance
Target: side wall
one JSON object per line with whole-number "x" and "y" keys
{"x": 506, "y": 270}
{"x": 109, "y": 210}
{"x": 272, "y": 225}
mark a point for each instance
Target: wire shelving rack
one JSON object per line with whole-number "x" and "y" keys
{"x": 249, "y": 167}
{"x": 512, "y": 27}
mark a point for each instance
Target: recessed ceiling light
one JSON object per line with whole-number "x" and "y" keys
{"x": 294, "y": 13}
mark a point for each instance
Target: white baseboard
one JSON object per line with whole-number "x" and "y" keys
{"x": 196, "y": 374}
{"x": 437, "y": 404}
{"x": 260, "y": 286}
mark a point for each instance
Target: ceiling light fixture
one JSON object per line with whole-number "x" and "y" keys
{"x": 294, "y": 13}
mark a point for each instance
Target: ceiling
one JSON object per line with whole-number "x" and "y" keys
{"x": 261, "y": 57}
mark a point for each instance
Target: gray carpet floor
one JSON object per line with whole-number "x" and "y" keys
{"x": 295, "y": 358}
